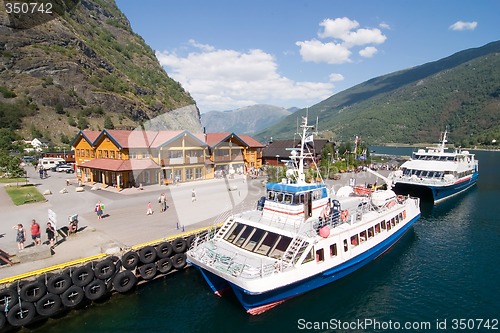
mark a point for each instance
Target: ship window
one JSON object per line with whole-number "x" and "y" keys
{"x": 320, "y": 255}
{"x": 397, "y": 219}
{"x": 346, "y": 247}
{"x": 266, "y": 245}
{"x": 271, "y": 195}
{"x": 333, "y": 250}
{"x": 235, "y": 230}
{"x": 388, "y": 225}
{"x": 370, "y": 232}
{"x": 281, "y": 247}
{"x": 254, "y": 239}
{"x": 354, "y": 240}
{"x": 382, "y": 225}
{"x": 288, "y": 198}
{"x": 238, "y": 240}
{"x": 279, "y": 197}
{"x": 248, "y": 232}
{"x": 393, "y": 222}
{"x": 362, "y": 236}
{"x": 377, "y": 228}
{"x": 309, "y": 256}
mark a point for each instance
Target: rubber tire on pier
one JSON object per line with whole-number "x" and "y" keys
{"x": 49, "y": 305}
{"x": 147, "y": 271}
{"x": 164, "y": 250}
{"x": 21, "y": 314}
{"x": 8, "y": 298}
{"x": 130, "y": 260}
{"x": 189, "y": 241}
{"x": 3, "y": 321}
{"x": 104, "y": 269}
{"x": 147, "y": 254}
{"x": 95, "y": 290}
{"x": 33, "y": 291}
{"x": 124, "y": 281}
{"x": 82, "y": 275}
{"x": 164, "y": 265}
{"x": 180, "y": 245}
{"x": 179, "y": 261}
{"x": 73, "y": 296}
{"x": 58, "y": 283}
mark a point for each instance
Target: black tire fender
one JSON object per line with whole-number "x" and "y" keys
{"x": 73, "y": 296}
{"x": 179, "y": 261}
{"x": 8, "y": 298}
{"x": 180, "y": 245}
{"x": 189, "y": 241}
{"x": 49, "y": 305}
{"x": 58, "y": 283}
{"x": 95, "y": 289}
{"x": 21, "y": 314}
{"x": 147, "y": 271}
{"x": 164, "y": 265}
{"x": 104, "y": 269}
{"x": 130, "y": 260}
{"x": 82, "y": 275}
{"x": 164, "y": 250}
{"x": 33, "y": 291}
{"x": 3, "y": 321}
{"x": 147, "y": 254}
{"x": 124, "y": 281}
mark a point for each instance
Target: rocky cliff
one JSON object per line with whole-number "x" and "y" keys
{"x": 84, "y": 69}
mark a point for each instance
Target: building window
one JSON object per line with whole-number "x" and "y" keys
{"x": 99, "y": 153}
{"x": 105, "y": 154}
{"x": 119, "y": 155}
{"x": 111, "y": 154}
{"x": 92, "y": 154}
{"x": 87, "y": 153}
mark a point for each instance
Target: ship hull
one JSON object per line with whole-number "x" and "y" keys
{"x": 433, "y": 192}
{"x": 256, "y": 303}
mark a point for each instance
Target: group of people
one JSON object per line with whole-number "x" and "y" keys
{"x": 35, "y": 234}
{"x": 162, "y": 200}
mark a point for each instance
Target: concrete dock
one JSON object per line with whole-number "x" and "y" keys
{"x": 125, "y": 223}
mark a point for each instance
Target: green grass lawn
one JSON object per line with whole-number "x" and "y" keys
{"x": 13, "y": 180}
{"x": 23, "y": 194}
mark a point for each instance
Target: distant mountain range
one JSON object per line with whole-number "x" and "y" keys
{"x": 246, "y": 120}
{"x": 461, "y": 91}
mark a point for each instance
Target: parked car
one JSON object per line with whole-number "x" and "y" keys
{"x": 64, "y": 168}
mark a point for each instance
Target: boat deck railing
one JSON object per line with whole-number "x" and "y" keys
{"x": 426, "y": 180}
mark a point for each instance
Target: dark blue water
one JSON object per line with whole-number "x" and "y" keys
{"x": 445, "y": 268}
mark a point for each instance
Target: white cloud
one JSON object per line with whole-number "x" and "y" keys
{"x": 368, "y": 52}
{"x": 345, "y": 35}
{"x": 316, "y": 51}
{"x": 229, "y": 79}
{"x": 461, "y": 25}
{"x": 384, "y": 26}
{"x": 336, "y": 77}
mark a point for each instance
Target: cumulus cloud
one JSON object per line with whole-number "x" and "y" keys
{"x": 336, "y": 77}
{"x": 384, "y": 26}
{"x": 368, "y": 52}
{"x": 461, "y": 25}
{"x": 221, "y": 79}
{"x": 345, "y": 34}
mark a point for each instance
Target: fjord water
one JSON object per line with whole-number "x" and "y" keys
{"x": 445, "y": 268}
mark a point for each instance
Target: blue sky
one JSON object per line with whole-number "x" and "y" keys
{"x": 231, "y": 54}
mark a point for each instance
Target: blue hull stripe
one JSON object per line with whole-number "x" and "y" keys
{"x": 250, "y": 301}
{"x": 440, "y": 193}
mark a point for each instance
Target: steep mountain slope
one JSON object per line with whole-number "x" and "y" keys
{"x": 79, "y": 70}
{"x": 247, "y": 120}
{"x": 461, "y": 91}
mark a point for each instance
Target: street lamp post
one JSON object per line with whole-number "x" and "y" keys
{"x": 277, "y": 157}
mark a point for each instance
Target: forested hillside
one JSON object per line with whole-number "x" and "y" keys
{"x": 412, "y": 106}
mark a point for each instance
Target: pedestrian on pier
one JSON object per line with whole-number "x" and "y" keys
{"x": 51, "y": 234}
{"x": 20, "y": 236}
{"x": 193, "y": 195}
{"x": 150, "y": 209}
{"x": 99, "y": 207}
{"x": 35, "y": 232}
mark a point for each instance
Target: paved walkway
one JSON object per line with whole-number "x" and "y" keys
{"x": 125, "y": 223}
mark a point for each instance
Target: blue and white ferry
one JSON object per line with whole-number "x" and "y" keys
{"x": 301, "y": 239}
{"x": 436, "y": 173}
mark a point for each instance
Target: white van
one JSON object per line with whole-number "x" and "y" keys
{"x": 47, "y": 163}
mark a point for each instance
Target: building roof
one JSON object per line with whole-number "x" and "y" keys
{"x": 120, "y": 165}
{"x": 251, "y": 142}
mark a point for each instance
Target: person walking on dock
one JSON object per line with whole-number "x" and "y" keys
{"x": 150, "y": 209}
{"x": 35, "y": 232}
{"x": 20, "y": 236}
{"x": 51, "y": 234}
{"x": 193, "y": 195}
{"x": 99, "y": 207}
{"x": 163, "y": 202}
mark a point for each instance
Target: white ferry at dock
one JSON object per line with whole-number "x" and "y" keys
{"x": 301, "y": 239}
{"x": 436, "y": 173}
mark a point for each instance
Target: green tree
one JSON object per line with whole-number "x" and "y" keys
{"x": 108, "y": 123}
{"x": 59, "y": 108}
{"x": 82, "y": 123}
